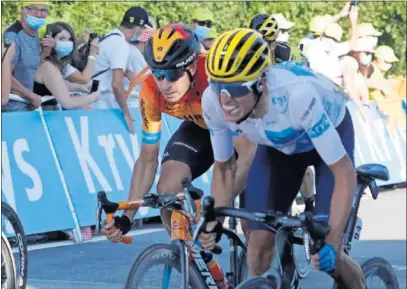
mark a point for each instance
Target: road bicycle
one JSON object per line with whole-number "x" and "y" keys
{"x": 18, "y": 240}
{"x": 180, "y": 264}
{"x": 280, "y": 275}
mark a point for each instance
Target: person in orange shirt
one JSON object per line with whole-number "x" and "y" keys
{"x": 174, "y": 87}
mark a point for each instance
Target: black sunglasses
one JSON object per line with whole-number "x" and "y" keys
{"x": 206, "y": 23}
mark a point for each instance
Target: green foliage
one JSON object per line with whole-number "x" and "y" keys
{"x": 387, "y": 17}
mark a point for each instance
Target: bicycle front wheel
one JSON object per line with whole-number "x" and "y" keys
{"x": 257, "y": 283}
{"x": 18, "y": 241}
{"x": 159, "y": 267}
{"x": 379, "y": 274}
{"x": 8, "y": 270}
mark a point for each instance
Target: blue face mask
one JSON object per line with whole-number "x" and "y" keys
{"x": 64, "y": 48}
{"x": 202, "y": 32}
{"x": 134, "y": 38}
{"x": 34, "y": 22}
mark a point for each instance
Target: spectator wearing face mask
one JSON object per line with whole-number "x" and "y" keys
{"x": 50, "y": 75}
{"x": 210, "y": 38}
{"x": 354, "y": 66}
{"x": 136, "y": 62}
{"x": 324, "y": 52}
{"x": 29, "y": 51}
{"x": 285, "y": 26}
{"x": 201, "y": 23}
{"x": 111, "y": 62}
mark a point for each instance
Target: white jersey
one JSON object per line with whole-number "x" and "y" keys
{"x": 304, "y": 108}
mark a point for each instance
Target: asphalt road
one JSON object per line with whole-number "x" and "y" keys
{"x": 102, "y": 265}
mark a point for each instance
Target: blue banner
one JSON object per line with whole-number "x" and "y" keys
{"x": 376, "y": 142}
{"x": 31, "y": 183}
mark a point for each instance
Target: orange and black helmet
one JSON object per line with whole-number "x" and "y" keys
{"x": 173, "y": 46}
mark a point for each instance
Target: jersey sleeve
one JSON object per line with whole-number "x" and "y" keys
{"x": 150, "y": 114}
{"x": 221, "y": 135}
{"x": 307, "y": 112}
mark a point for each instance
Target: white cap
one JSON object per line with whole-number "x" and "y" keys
{"x": 282, "y": 21}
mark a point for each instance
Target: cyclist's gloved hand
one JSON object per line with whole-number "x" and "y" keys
{"x": 327, "y": 258}
{"x": 122, "y": 223}
{"x": 115, "y": 230}
{"x": 211, "y": 235}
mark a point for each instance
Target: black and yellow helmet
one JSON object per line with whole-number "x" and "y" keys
{"x": 266, "y": 25}
{"x": 238, "y": 55}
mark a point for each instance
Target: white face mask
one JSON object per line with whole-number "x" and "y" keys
{"x": 283, "y": 37}
{"x": 366, "y": 59}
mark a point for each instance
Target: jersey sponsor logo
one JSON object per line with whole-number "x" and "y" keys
{"x": 328, "y": 107}
{"x": 320, "y": 128}
{"x": 187, "y": 61}
{"x": 281, "y": 103}
{"x": 143, "y": 113}
{"x": 192, "y": 117}
{"x": 308, "y": 111}
{"x": 283, "y": 137}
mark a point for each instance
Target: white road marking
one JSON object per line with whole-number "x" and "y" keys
{"x": 94, "y": 239}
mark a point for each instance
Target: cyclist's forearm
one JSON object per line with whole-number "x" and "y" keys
{"x": 223, "y": 182}
{"x": 341, "y": 205}
{"x": 141, "y": 182}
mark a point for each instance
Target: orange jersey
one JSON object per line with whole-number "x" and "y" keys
{"x": 152, "y": 104}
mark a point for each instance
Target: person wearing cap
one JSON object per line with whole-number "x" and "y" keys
{"x": 136, "y": 61}
{"x": 29, "y": 52}
{"x": 367, "y": 30}
{"x": 201, "y": 22}
{"x": 208, "y": 40}
{"x": 381, "y": 87}
{"x": 324, "y": 52}
{"x": 285, "y": 26}
{"x": 111, "y": 62}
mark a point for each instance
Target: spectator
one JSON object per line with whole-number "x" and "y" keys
{"x": 353, "y": 67}
{"x": 49, "y": 78}
{"x": 285, "y": 26}
{"x": 379, "y": 85}
{"x": 111, "y": 62}
{"x": 7, "y": 56}
{"x": 367, "y": 31}
{"x": 208, "y": 40}
{"x": 29, "y": 51}
{"x": 323, "y": 52}
{"x": 136, "y": 61}
{"x": 202, "y": 21}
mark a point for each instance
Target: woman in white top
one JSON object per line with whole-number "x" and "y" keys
{"x": 49, "y": 77}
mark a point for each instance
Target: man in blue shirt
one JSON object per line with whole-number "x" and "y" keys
{"x": 29, "y": 51}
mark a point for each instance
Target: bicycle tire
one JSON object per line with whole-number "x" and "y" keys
{"x": 243, "y": 270}
{"x": 257, "y": 283}
{"x": 21, "y": 239}
{"x": 161, "y": 254}
{"x": 8, "y": 270}
{"x": 381, "y": 268}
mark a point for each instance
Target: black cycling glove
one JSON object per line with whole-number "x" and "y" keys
{"x": 217, "y": 230}
{"x": 122, "y": 223}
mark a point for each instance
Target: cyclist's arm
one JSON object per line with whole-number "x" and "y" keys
{"x": 224, "y": 170}
{"x": 246, "y": 151}
{"x": 145, "y": 168}
{"x": 307, "y": 111}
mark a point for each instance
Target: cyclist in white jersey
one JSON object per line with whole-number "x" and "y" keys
{"x": 297, "y": 119}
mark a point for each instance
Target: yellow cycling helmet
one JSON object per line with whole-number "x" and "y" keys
{"x": 239, "y": 55}
{"x": 266, "y": 25}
